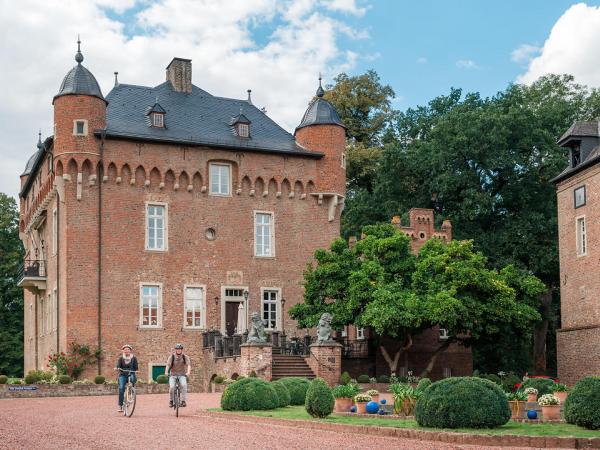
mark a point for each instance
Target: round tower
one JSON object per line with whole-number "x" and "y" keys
{"x": 321, "y": 130}
{"x": 79, "y": 110}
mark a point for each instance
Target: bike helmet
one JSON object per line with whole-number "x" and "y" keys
{"x": 128, "y": 346}
{"x": 178, "y": 346}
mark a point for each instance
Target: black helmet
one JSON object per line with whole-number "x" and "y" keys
{"x": 178, "y": 346}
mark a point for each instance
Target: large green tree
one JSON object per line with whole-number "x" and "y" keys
{"x": 379, "y": 283}
{"x": 11, "y": 296}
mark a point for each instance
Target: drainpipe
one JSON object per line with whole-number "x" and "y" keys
{"x": 99, "y": 180}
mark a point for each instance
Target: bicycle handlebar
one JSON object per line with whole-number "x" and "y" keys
{"x": 126, "y": 370}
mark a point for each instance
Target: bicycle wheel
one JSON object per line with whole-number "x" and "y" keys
{"x": 131, "y": 401}
{"x": 125, "y": 400}
{"x": 176, "y": 401}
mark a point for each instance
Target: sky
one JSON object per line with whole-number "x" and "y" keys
{"x": 278, "y": 47}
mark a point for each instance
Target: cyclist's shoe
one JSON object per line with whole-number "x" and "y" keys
{"x": 182, "y": 404}
{"x": 120, "y": 409}
{"x": 170, "y": 403}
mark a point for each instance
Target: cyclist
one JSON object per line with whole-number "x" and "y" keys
{"x": 180, "y": 367}
{"x": 127, "y": 361}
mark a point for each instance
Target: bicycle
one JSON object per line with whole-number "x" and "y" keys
{"x": 176, "y": 397}
{"x": 130, "y": 396}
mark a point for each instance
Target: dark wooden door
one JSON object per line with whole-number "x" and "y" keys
{"x": 231, "y": 316}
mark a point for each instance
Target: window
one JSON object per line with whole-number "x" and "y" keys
{"x": 243, "y": 130}
{"x": 150, "y": 305}
{"x": 220, "y": 179}
{"x": 443, "y": 334}
{"x": 156, "y": 227}
{"x": 447, "y": 372}
{"x": 49, "y": 305}
{"x": 54, "y": 310}
{"x": 343, "y": 160}
{"x": 54, "y": 231}
{"x": 581, "y": 237}
{"x": 579, "y": 196}
{"x": 344, "y": 332}
{"x": 360, "y": 333}
{"x": 41, "y": 317}
{"x": 80, "y": 127}
{"x": 269, "y": 308}
{"x": 194, "y": 306}
{"x": 158, "y": 120}
{"x": 575, "y": 156}
{"x": 263, "y": 234}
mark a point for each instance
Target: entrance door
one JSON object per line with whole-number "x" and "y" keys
{"x": 231, "y": 316}
{"x": 157, "y": 370}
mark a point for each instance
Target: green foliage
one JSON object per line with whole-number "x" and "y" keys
{"x": 543, "y": 385}
{"x": 252, "y": 374}
{"x": 462, "y": 402}
{"x": 364, "y": 379}
{"x": 345, "y": 391}
{"x": 218, "y": 379}
{"x": 423, "y": 384}
{"x": 31, "y": 378}
{"x": 34, "y": 376}
{"x": 509, "y": 381}
{"x": 383, "y": 379}
{"x": 516, "y": 396}
{"x": 11, "y": 296}
{"x": 65, "y": 379}
{"x": 3, "y": 379}
{"x": 283, "y": 394}
{"x": 582, "y": 406}
{"x": 74, "y": 361}
{"x": 249, "y": 394}
{"x": 100, "y": 379}
{"x": 345, "y": 378}
{"x": 492, "y": 377}
{"x": 560, "y": 387}
{"x": 162, "y": 379}
{"x": 319, "y": 399}
{"x": 297, "y": 388}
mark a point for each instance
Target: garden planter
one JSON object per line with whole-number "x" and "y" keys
{"x": 532, "y": 397}
{"x": 551, "y": 412}
{"x": 562, "y": 396}
{"x": 517, "y": 409}
{"x": 361, "y": 407}
{"x": 343, "y": 404}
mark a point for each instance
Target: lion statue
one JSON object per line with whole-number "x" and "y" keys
{"x": 324, "y": 328}
{"x": 257, "y": 331}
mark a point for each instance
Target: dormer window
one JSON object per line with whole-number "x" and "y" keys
{"x": 575, "y": 156}
{"x": 243, "y": 130}
{"x": 156, "y": 114}
{"x": 158, "y": 120}
{"x": 241, "y": 125}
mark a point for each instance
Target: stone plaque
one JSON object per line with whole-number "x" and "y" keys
{"x": 331, "y": 359}
{"x": 235, "y": 277}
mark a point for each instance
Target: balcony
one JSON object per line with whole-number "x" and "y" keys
{"x": 32, "y": 275}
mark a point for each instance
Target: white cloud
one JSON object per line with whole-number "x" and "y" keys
{"x": 467, "y": 64}
{"x": 38, "y": 45}
{"x": 571, "y": 47}
{"x": 524, "y": 53}
{"x": 421, "y": 60}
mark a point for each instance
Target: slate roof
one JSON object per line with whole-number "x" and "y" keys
{"x": 34, "y": 163}
{"x": 581, "y": 129}
{"x": 320, "y": 112}
{"x": 196, "y": 118}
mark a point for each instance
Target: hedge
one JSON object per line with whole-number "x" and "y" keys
{"x": 364, "y": 379}
{"x": 543, "y": 385}
{"x": 162, "y": 379}
{"x": 462, "y": 402}
{"x": 297, "y": 388}
{"x": 319, "y": 399}
{"x": 582, "y": 406}
{"x": 383, "y": 379}
{"x": 283, "y": 395}
{"x": 249, "y": 394}
{"x": 424, "y": 383}
{"x": 99, "y": 379}
{"x": 65, "y": 379}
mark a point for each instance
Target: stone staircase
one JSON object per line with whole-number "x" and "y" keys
{"x": 290, "y": 366}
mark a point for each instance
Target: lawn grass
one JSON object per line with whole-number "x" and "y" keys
{"x": 512, "y": 428}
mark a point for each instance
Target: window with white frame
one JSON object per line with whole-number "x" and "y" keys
{"x": 54, "y": 231}
{"x": 344, "y": 332}
{"x": 220, "y": 179}
{"x": 360, "y": 333}
{"x": 243, "y": 130}
{"x": 158, "y": 120}
{"x": 150, "y": 305}
{"x": 443, "y": 334}
{"x": 343, "y": 160}
{"x": 80, "y": 127}
{"x": 156, "y": 227}
{"x": 581, "y": 237}
{"x": 579, "y": 196}
{"x": 263, "y": 234}
{"x": 269, "y": 308}
{"x": 194, "y": 306}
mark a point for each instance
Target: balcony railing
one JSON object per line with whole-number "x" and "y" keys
{"x": 229, "y": 346}
{"x": 32, "y": 275}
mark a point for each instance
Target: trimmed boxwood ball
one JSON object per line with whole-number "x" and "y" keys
{"x": 283, "y": 394}
{"x": 319, "y": 399}
{"x": 462, "y": 402}
{"x": 249, "y": 394}
{"x": 162, "y": 379}
{"x": 364, "y": 379}
{"x": 3, "y": 379}
{"x": 65, "y": 379}
{"x": 543, "y": 385}
{"x": 582, "y": 406}
{"x": 31, "y": 378}
{"x": 297, "y": 387}
{"x": 99, "y": 379}
{"x": 424, "y": 383}
{"x": 383, "y": 379}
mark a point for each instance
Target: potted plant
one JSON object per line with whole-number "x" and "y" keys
{"x": 343, "y": 396}
{"x": 531, "y": 394}
{"x": 517, "y": 401}
{"x": 361, "y": 401}
{"x": 374, "y": 393}
{"x": 561, "y": 391}
{"x": 550, "y": 407}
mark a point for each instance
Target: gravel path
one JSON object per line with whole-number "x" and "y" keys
{"x": 93, "y": 423}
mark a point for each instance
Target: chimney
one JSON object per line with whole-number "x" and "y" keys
{"x": 179, "y": 73}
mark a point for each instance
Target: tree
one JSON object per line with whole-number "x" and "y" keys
{"x": 380, "y": 284}
{"x": 11, "y": 296}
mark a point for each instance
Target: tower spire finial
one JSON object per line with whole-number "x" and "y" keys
{"x": 250, "y": 96}
{"x": 39, "y": 144}
{"x": 116, "y": 78}
{"x": 79, "y": 55}
{"x": 320, "y": 91}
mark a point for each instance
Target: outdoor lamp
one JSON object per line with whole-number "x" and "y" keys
{"x": 216, "y": 300}
{"x": 246, "y": 294}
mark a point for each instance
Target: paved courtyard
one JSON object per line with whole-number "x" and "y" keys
{"x": 93, "y": 423}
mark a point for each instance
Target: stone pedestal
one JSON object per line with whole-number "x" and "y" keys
{"x": 257, "y": 357}
{"x": 325, "y": 360}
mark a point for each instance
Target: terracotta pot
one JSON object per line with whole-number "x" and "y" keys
{"x": 517, "y": 409}
{"x": 375, "y": 398}
{"x": 551, "y": 412}
{"x": 343, "y": 404}
{"x": 361, "y": 407}
{"x": 532, "y": 397}
{"x": 562, "y": 396}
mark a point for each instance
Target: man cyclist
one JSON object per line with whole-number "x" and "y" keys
{"x": 127, "y": 361}
{"x": 179, "y": 366}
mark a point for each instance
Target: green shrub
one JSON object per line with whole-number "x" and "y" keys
{"x": 283, "y": 394}
{"x": 249, "y": 394}
{"x": 218, "y": 379}
{"x": 345, "y": 378}
{"x": 423, "y": 384}
{"x": 462, "y": 402}
{"x": 364, "y": 379}
{"x": 31, "y": 377}
{"x": 492, "y": 377}
{"x": 100, "y": 379}
{"x": 65, "y": 379}
{"x": 252, "y": 374}
{"x": 345, "y": 391}
{"x": 543, "y": 385}
{"x": 319, "y": 399}
{"x": 162, "y": 379}
{"x": 383, "y": 379}
{"x": 582, "y": 406}
{"x": 509, "y": 381}
{"x": 297, "y": 388}
{"x": 3, "y": 379}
